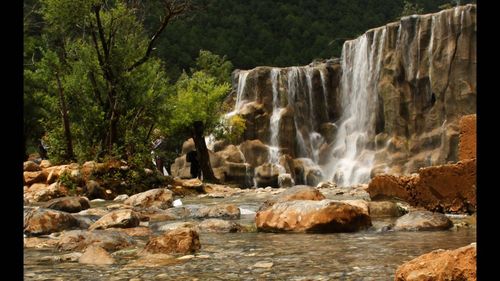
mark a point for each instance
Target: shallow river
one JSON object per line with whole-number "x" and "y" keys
{"x": 366, "y": 255}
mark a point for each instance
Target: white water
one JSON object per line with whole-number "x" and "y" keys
{"x": 275, "y": 118}
{"x": 351, "y": 163}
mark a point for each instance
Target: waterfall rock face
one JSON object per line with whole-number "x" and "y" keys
{"x": 392, "y": 104}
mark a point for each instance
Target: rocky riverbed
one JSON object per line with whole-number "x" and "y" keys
{"x": 217, "y": 238}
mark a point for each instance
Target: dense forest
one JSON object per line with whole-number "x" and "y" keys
{"x": 106, "y": 77}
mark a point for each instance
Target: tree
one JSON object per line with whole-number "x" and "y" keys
{"x": 114, "y": 86}
{"x": 197, "y": 108}
{"x": 411, "y": 9}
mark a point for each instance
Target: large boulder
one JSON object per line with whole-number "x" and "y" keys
{"x": 123, "y": 218}
{"x": 445, "y": 188}
{"x": 40, "y": 221}
{"x": 255, "y": 152}
{"x": 231, "y": 153}
{"x": 79, "y": 240}
{"x": 323, "y": 216}
{"x": 385, "y": 209}
{"x": 160, "y": 197}
{"x": 422, "y": 220}
{"x": 298, "y": 192}
{"x": 441, "y": 265}
{"x": 181, "y": 240}
{"x": 68, "y": 204}
{"x": 267, "y": 175}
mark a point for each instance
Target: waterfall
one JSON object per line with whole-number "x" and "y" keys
{"x": 275, "y": 117}
{"x": 351, "y": 163}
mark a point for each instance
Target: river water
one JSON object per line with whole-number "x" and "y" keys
{"x": 365, "y": 255}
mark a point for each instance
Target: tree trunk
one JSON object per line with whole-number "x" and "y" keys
{"x": 201, "y": 147}
{"x": 64, "y": 114}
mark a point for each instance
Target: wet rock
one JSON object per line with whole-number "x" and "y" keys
{"x": 139, "y": 231}
{"x": 46, "y": 221}
{"x": 98, "y": 212}
{"x": 255, "y": 152}
{"x": 153, "y": 260}
{"x": 78, "y": 240}
{"x": 121, "y": 197}
{"x": 298, "y": 192}
{"x": 37, "y": 242}
{"x": 68, "y": 204}
{"x": 160, "y": 197}
{"x": 181, "y": 240}
{"x": 385, "y": 209}
{"x": 441, "y": 265}
{"x": 267, "y": 175}
{"x": 285, "y": 180}
{"x": 40, "y": 192}
{"x": 156, "y": 214}
{"x": 120, "y": 218}
{"x": 96, "y": 255}
{"x": 71, "y": 257}
{"x": 422, "y": 220}
{"x": 93, "y": 190}
{"x": 326, "y": 184}
{"x": 313, "y": 216}
{"x": 175, "y": 225}
{"x": 30, "y": 166}
{"x": 229, "y": 211}
{"x": 218, "y": 225}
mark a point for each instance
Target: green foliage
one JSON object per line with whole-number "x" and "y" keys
{"x": 198, "y": 98}
{"x": 230, "y": 129}
{"x": 97, "y": 82}
{"x": 215, "y": 66}
{"x": 67, "y": 180}
{"x": 411, "y": 9}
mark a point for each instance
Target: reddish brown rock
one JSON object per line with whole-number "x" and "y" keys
{"x": 467, "y": 143}
{"x": 45, "y": 221}
{"x": 34, "y": 177}
{"x": 441, "y": 265}
{"x": 323, "y": 216}
{"x": 448, "y": 188}
{"x": 399, "y": 187}
{"x": 181, "y": 240}
{"x": 40, "y": 192}
{"x": 445, "y": 188}
{"x": 298, "y": 192}
{"x": 159, "y": 197}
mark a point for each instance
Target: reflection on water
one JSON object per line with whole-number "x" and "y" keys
{"x": 367, "y": 255}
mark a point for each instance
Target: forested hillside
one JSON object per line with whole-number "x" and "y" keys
{"x": 276, "y": 32}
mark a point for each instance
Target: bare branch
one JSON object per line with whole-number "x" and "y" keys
{"x": 172, "y": 9}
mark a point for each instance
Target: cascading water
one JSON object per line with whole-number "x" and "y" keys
{"x": 351, "y": 163}
{"x": 275, "y": 117}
